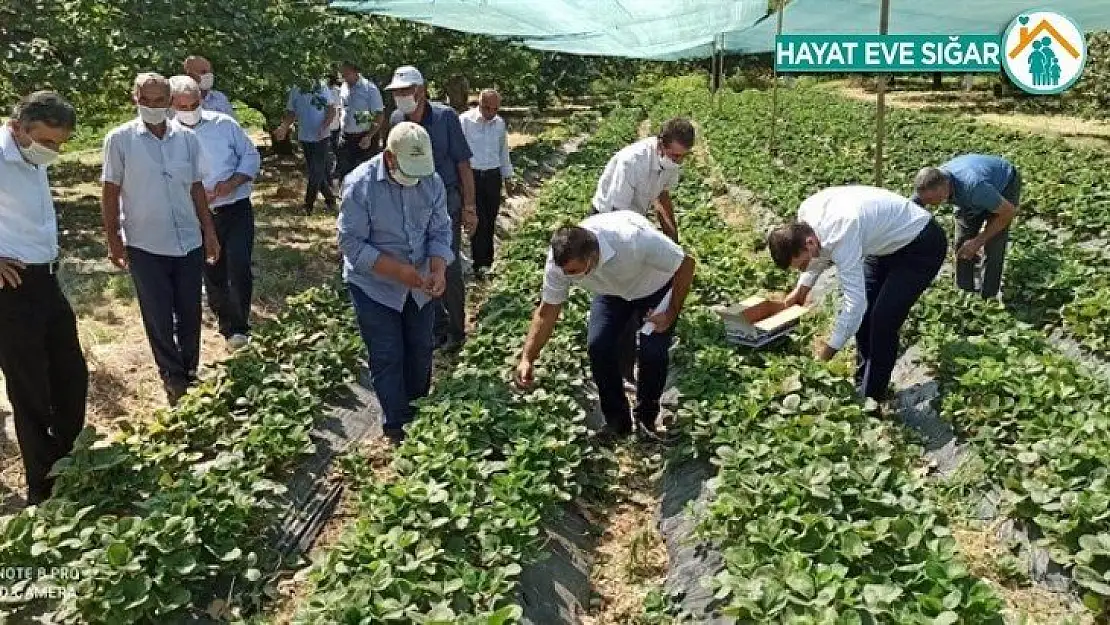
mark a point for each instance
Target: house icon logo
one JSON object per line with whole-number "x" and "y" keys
{"x": 1045, "y": 52}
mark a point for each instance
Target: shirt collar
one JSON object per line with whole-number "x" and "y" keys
{"x": 9, "y": 147}
{"x": 606, "y": 250}
{"x": 143, "y": 130}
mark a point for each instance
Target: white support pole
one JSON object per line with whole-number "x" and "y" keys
{"x": 775, "y": 85}
{"x": 880, "y": 111}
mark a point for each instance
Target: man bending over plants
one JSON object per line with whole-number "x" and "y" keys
{"x": 635, "y": 272}
{"x": 986, "y": 191}
{"x": 886, "y": 249}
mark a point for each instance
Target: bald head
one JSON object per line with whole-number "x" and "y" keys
{"x": 199, "y": 69}
{"x": 489, "y": 102}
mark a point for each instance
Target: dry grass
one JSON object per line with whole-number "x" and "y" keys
{"x": 979, "y": 105}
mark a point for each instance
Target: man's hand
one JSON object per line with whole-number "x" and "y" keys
{"x": 970, "y": 249}
{"x": 410, "y": 277}
{"x": 281, "y": 132}
{"x": 117, "y": 253}
{"x": 662, "y": 321}
{"x": 436, "y": 283}
{"x": 774, "y": 307}
{"x": 212, "y": 249}
{"x": 822, "y": 351}
{"x": 525, "y": 375}
{"x": 9, "y": 273}
{"x": 222, "y": 189}
{"x": 469, "y": 218}
{"x": 364, "y": 143}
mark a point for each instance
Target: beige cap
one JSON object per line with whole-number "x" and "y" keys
{"x": 410, "y": 144}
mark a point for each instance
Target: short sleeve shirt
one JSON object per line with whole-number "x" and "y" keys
{"x": 978, "y": 181}
{"x": 310, "y": 109}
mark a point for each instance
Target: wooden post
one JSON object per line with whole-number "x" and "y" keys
{"x": 775, "y": 85}
{"x": 880, "y": 111}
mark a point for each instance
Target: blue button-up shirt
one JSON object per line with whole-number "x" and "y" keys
{"x": 155, "y": 177}
{"x": 449, "y": 146}
{"x": 218, "y": 102}
{"x": 361, "y": 97}
{"x": 310, "y": 109}
{"x": 978, "y": 181}
{"x": 379, "y": 216}
{"x": 225, "y": 150}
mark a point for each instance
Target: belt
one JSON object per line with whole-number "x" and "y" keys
{"x": 50, "y": 268}
{"x": 482, "y": 172}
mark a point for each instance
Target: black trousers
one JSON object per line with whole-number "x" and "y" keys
{"x": 229, "y": 282}
{"x": 487, "y": 195}
{"x": 894, "y": 283}
{"x": 316, "y": 162}
{"x": 609, "y": 319}
{"x": 352, "y": 155}
{"x": 451, "y": 308}
{"x": 168, "y": 288}
{"x": 45, "y": 373}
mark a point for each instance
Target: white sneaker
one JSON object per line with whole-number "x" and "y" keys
{"x": 238, "y": 341}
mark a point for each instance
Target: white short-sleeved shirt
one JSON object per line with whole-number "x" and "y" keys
{"x": 634, "y": 178}
{"x": 28, "y": 224}
{"x": 852, "y": 223}
{"x": 155, "y": 176}
{"x": 636, "y": 260}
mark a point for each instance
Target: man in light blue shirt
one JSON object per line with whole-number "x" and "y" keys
{"x": 313, "y": 111}
{"x": 199, "y": 69}
{"x": 152, "y": 187}
{"x": 986, "y": 191}
{"x": 395, "y": 236}
{"x": 229, "y": 162}
{"x": 362, "y": 118}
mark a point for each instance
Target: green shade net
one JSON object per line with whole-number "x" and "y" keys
{"x": 688, "y": 29}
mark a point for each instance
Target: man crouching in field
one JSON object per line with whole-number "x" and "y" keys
{"x": 632, "y": 268}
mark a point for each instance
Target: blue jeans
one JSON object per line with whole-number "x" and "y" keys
{"x": 168, "y": 289}
{"x": 609, "y": 319}
{"x": 400, "y": 346}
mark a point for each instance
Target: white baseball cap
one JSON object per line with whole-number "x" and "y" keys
{"x": 406, "y": 76}
{"x": 410, "y": 144}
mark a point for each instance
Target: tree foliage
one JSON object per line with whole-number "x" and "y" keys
{"x": 90, "y": 50}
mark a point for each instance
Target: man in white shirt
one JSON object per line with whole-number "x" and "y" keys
{"x": 229, "y": 163}
{"x": 199, "y": 69}
{"x": 488, "y": 138}
{"x": 158, "y": 226}
{"x": 362, "y": 118}
{"x": 634, "y": 271}
{"x": 886, "y": 249}
{"x": 40, "y": 355}
{"x": 637, "y": 178}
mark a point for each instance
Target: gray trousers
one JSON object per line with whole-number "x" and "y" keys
{"x": 968, "y": 226}
{"x": 451, "y": 308}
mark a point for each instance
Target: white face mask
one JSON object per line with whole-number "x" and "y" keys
{"x": 666, "y": 163}
{"x": 189, "y": 118}
{"x": 406, "y": 104}
{"x": 152, "y": 116}
{"x": 206, "y": 81}
{"x": 38, "y": 154}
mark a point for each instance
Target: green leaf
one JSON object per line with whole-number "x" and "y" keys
{"x": 946, "y": 618}
{"x": 507, "y": 614}
{"x": 881, "y": 594}
{"x": 118, "y": 554}
{"x": 801, "y": 583}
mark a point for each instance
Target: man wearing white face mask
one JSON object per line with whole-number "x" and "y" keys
{"x": 395, "y": 237}
{"x": 229, "y": 162}
{"x": 199, "y": 69}
{"x": 636, "y": 178}
{"x": 158, "y": 226}
{"x": 40, "y": 354}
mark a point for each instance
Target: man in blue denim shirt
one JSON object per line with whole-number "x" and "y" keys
{"x": 986, "y": 191}
{"x": 395, "y": 236}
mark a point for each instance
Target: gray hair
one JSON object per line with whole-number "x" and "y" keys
{"x": 489, "y": 93}
{"x": 45, "y": 107}
{"x": 183, "y": 85}
{"x": 929, "y": 179}
{"x": 147, "y": 78}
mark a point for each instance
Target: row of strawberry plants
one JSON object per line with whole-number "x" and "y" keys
{"x": 177, "y": 507}
{"x": 827, "y": 140}
{"x": 817, "y": 506}
{"x": 445, "y": 539}
{"x": 1035, "y": 416}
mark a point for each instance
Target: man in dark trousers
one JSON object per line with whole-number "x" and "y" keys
{"x": 886, "y": 249}
{"x": 47, "y": 380}
{"x": 488, "y": 137}
{"x": 986, "y": 191}
{"x": 452, "y": 160}
{"x": 636, "y": 273}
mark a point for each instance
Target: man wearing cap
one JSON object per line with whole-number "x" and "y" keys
{"x": 395, "y": 236}
{"x": 313, "y": 111}
{"x": 199, "y": 69}
{"x": 362, "y": 118}
{"x": 452, "y": 162}
{"x": 40, "y": 355}
{"x": 986, "y": 191}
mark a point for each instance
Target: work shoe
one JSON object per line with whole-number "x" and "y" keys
{"x": 174, "y": 392}
{"x": 236, "y": 342}
{"x": 649, "y": 433}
